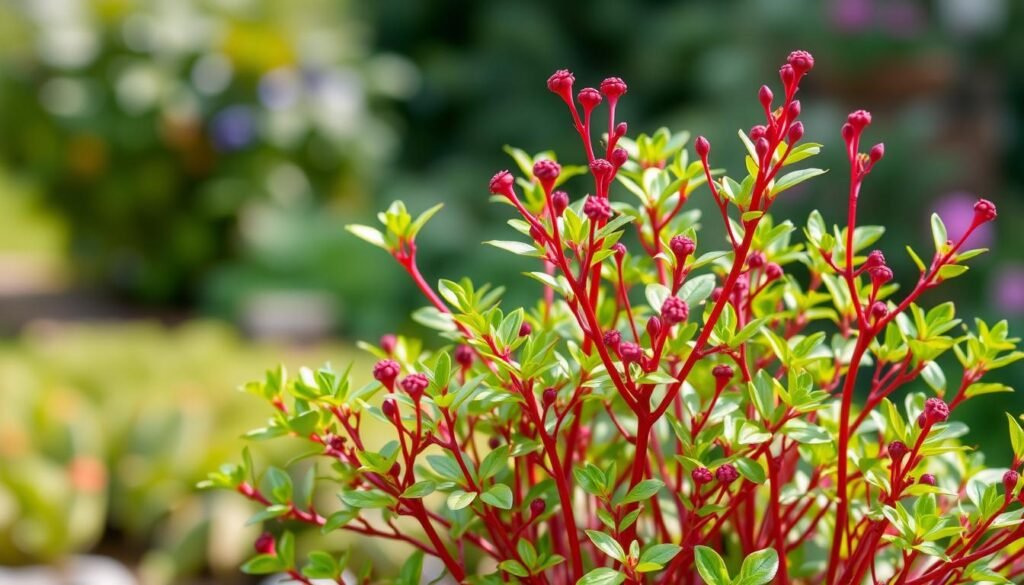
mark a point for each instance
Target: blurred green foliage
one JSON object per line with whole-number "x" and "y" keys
{"x": 105, "y": 431}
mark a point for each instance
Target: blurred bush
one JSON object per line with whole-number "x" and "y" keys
{"x": 162, "y": 130}
{"x": 105, "y": 431}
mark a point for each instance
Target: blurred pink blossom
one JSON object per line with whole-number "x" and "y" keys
{"x": 957, "y": 211}
{"x": 1007, "y": 289}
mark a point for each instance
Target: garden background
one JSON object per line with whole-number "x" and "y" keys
{"x": 175, "y": 175}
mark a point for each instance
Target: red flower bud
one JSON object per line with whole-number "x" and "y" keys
{"x": 898, "y": 450}
{"x": 589, "y": 98}
{"x": 559, "y": 201}
{"x": 597, "y": 209}
{"x": 525, "y": 329}
{"x": 546, "y": 171}
{"x": 561, "y": 82}
{"x": 613, "y": 87}
{"x": 389, "y": 408}
{"x": 501, "y": 183}
{"x": 879, "y": 310}
{"x": 875, "y": 259}
{"x": 385, "y": 371}
{"x": 880, "y": 275}
{"x": 537, "y": 233}
{"x": 682, "y": 247}
{"x": 847, "y": 132}
{"x": 859, "y": 119}
{"x": 265, "y": 544}
{"x": 935, "y": 410}
{"x": 620, "y": 251}
{"x": 877, "y": 152}
{"x": 787, "y": 74}
{"x": 601, "y": 168}
{"x": 1010, "y": 481}
{"x": 702, "y": 146}
{"x": 612, "y": 338}
{"x": 620, "y": 129}
{"x": 726, "y": 474}
{"x": 796, "y": 132}
{"x": 387, "y": 343}
{"x": 722, "y": 373}
{"x": 494, "y": 442}
{"x": 701, "y": 476}
{"x": 773, "y": 271}
{"x": 927, "y": 479}
{"x": 464, "y": 356}
{"x": 630, "y": 352}
{"x": 757, "y": 132}
{"x": 653, "y": 326}
{"x": 414, "y": 385}
{"x": 675, "y": 310}
{"x": 801, "y": 61}
{"x": 793, "y": 110}
{"x": 537, "y": 507}
{"x": 761, "y": 146}
{"x": 984, "y": 211}
{"x": 549, "y": 396}
{"x": 756, "y": 259}
{"x": 619, "y": 157}
{"x": 764, "y": 95}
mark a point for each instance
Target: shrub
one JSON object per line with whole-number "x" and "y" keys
{"x": 704, "y": 427}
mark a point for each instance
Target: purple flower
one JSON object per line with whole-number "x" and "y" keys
{"x": 233, "y": 128}
{"x": 1008, "y": 288}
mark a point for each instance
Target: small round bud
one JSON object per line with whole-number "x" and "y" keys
{"x": 701, "y": 476}
{"x": 630, "y": 352}
{"x": 935, "y": 410}
{"x": 877, "y": 152}
{"x": 722, "y": 373}
{"x": 620, "y": 251}
{"x": 387, "y": 343}
{"x": 756, "y": 259}
{"x": 653, "y": 326}
{"x": 801, "y": 61}
{"x": 537, "y": 233}
{"x": 702, "y": 146}
{"x": 847, "y": 132}
{"x": 787, "y": 74}
{"x": 501, "y": 183}
{"x": 337, "y": 442}
{"x": 549, "y": 396}
{"x": 793, "y": 110}
{"x": 681, "y": 246}
{"x": 265, "y": 544}
{"x": 772, "y": 271}
{"x": 875, "y": 259}
{"x": 620, "y": 129}
{"x": 537, "y": 507}
{"x": 880, "y": 275}
{"x": 589, "y": 98}
{"x": 620, "y": 156}
{"x": 612, "y": 338}
{"x": 927, "y": 479}
{"x": 757, "y": 132}
{"x": 675, "y": 310}
{"x": 395, "y": 470}
{"x": 613, "y": 87}
{"x": 761, "y": 146}
{"x": 561, "y": 82}
{"x": 859, "y": 119}
{"x": 494, "y": 442}
{"x": 389, "y": 408}
{"x": 1010, "y": 481}
{"x": 385, "y": 371}
{"x": 601, "y": 167}
{"x": 984, "y": 211}
{"x": 546, "y": 171}
{"x": 764, "y": 95}
{"x": 414, "y": 385}
{"x": 796, "y": 132}
{"x": 898, "y": 450}
{"x": 597, "y": 208}
{"x": 525, "y": 329}
{"x": 879, "y": 310}
{"x": 559, "y": 201}
{"x": 726, "y": 474}
{"x": 464, "y": 356}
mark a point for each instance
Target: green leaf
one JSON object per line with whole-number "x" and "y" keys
{"x": 710, "y": 566}
{"x": 660, "y": 554}
{"x": 263, "y": 565}
{"x": 420, "y": 489}
{"x": 514, "y": 567}
{"x": 498, "y": 495}
{"x": 1016, "y": 438}
{"x": 607, "y": 544}
{"x": 412, "y": 570}
{"x": 794, "y": 178}
{"x": 373, "y": 498}
{"x": 751, "y": 470}
{"x": 519, "y": 248}
{"x": 602, "y": 576}
{"x": 759, "y": 567}
{"x": 368, "y": 234}
{"x": 460, "y": 499}
{"x": 938, "y": 232}
{"x": 643, "y": 490}
{"x": 494, "y": 462}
